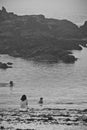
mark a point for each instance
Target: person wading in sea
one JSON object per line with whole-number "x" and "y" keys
{"x": 11, "y": 83}
{"x": 24, "y": 103}
{"x": 41, "y": 101}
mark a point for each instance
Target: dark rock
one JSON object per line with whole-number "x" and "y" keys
{"x": 69, "y": 124}
{"x": 18, "y": 119}
{"x": 68, "y": 59}
{"x": 67, "y": 119}
{"x": 85, "y": 110}
{"x": 2, "y": 127}
{"x": 84, "y": 118}
{"x": 50, "y": 118}
{"x": 77, "y": 119}
{"x": 8, "y": 120}
{"x": 9, "y": 63}
{"x": 4, "y": 66}
{"x": 32, "y": 119}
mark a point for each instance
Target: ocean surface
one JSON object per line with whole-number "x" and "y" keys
{"x": 61, "y": 85}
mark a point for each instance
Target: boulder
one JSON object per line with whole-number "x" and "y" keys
{"x": 69, "y": 59}
{"x": 9, "y": 63}
{"x": 4, "y": 65}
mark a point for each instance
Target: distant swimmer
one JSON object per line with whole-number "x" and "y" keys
{"x": 41, "y": 101}
{"x": 11, "y": 83}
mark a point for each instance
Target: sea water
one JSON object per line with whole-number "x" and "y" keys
{"x": 61, "y": 85}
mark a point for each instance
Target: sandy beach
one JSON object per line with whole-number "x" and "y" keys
{"x": 43, "y": 119}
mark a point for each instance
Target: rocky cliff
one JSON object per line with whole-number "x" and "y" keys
{"x": 38, "y": 38}
{"x": 83, "y": 30}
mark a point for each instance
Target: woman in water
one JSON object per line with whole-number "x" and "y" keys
{"x": 24, "y": 103}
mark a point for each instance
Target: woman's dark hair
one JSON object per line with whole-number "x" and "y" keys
{"x": 23, "y": 97}
{"x": 41, "y": 98}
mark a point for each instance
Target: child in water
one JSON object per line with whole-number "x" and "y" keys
{"x": 24, "y": 103}
{"x": 41, "y": 101}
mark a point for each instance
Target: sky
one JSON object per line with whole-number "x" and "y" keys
{"x": 76, "y": 10}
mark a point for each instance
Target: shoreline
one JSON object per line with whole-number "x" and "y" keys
{"x": 14, "y": 119}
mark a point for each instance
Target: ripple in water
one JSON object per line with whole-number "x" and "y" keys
{"x": 60, "y": 85}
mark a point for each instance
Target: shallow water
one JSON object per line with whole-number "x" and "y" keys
{"x": 61, "y": 85}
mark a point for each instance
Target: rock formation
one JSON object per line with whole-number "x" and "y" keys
{"x": 38, "y": 38}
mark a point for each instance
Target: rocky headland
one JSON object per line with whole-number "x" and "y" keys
{"x": 40, "y": 39}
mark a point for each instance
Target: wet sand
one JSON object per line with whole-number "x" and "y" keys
{"x": 43, "y": 119}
